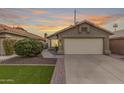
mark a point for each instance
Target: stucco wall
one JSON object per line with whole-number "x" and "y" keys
{"x": 16, "y": 37}
{"x": 117, "y": 46}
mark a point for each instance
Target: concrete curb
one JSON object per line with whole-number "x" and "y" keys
{"x": 27, "y": 64}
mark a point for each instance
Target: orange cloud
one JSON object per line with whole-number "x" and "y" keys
{"x": 100, "y": 20}
{"x": 97, "y": 19}
{"x": 57, "y": 22}
{"x": 60, "y": 24}
{"x": 43, "y": 27}
{"x": 39, "y": 12}
{"x": 24, "y": 17}
{"x": 48, "y": 28}
{"x": 45, "y": 21}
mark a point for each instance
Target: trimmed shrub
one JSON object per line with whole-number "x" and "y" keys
{"x": 8, "y": 45}
{"x": 28, "y": 47}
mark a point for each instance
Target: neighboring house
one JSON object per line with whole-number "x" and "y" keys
{"x": 117, "y": 42}
{"x": 82, "y": 38}
{"x": 15, "y": 33}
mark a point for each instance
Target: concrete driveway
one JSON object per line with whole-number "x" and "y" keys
{"x": 93, "y": 69}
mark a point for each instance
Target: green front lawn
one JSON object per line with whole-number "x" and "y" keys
{"x": 25, "y": 74}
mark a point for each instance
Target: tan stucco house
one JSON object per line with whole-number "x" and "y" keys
{"x": 15, "y": 33}
{"x": 82, "y": 38}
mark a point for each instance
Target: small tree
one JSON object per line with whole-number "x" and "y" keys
{"x": 28, "y": 47}
{"x": 8, "y": 45}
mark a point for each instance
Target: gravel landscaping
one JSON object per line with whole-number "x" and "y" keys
{"x": 30, "y": 60}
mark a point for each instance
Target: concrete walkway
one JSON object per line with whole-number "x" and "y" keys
{"x": 2, "y": 58}
{"x": 93, "y": 69}
{"x": 47, "y": 54}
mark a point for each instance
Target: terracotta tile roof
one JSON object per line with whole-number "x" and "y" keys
{"x": 84, "y": 21}
{"x": 18, "y": 31}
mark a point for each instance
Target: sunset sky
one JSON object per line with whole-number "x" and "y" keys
{"x": 39, "y": 21}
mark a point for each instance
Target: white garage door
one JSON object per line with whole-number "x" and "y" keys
{"x": 83, "y": 46}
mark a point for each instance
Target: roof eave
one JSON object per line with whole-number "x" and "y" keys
{"x": 85, "y": 21}
{"x": 23, "y": 35}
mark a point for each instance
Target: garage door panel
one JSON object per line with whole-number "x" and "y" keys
{"x": 83, "y": 46}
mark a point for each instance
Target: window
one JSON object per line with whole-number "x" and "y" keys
{"x": 84, "y": 29}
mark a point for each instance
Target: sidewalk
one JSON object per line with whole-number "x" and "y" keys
{"x": 2, "y": 58}
{"x": 47, "y": 54}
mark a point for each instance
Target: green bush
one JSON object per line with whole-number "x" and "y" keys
{"x": 28, "y": 47}
{"x": 8, "y": 45}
